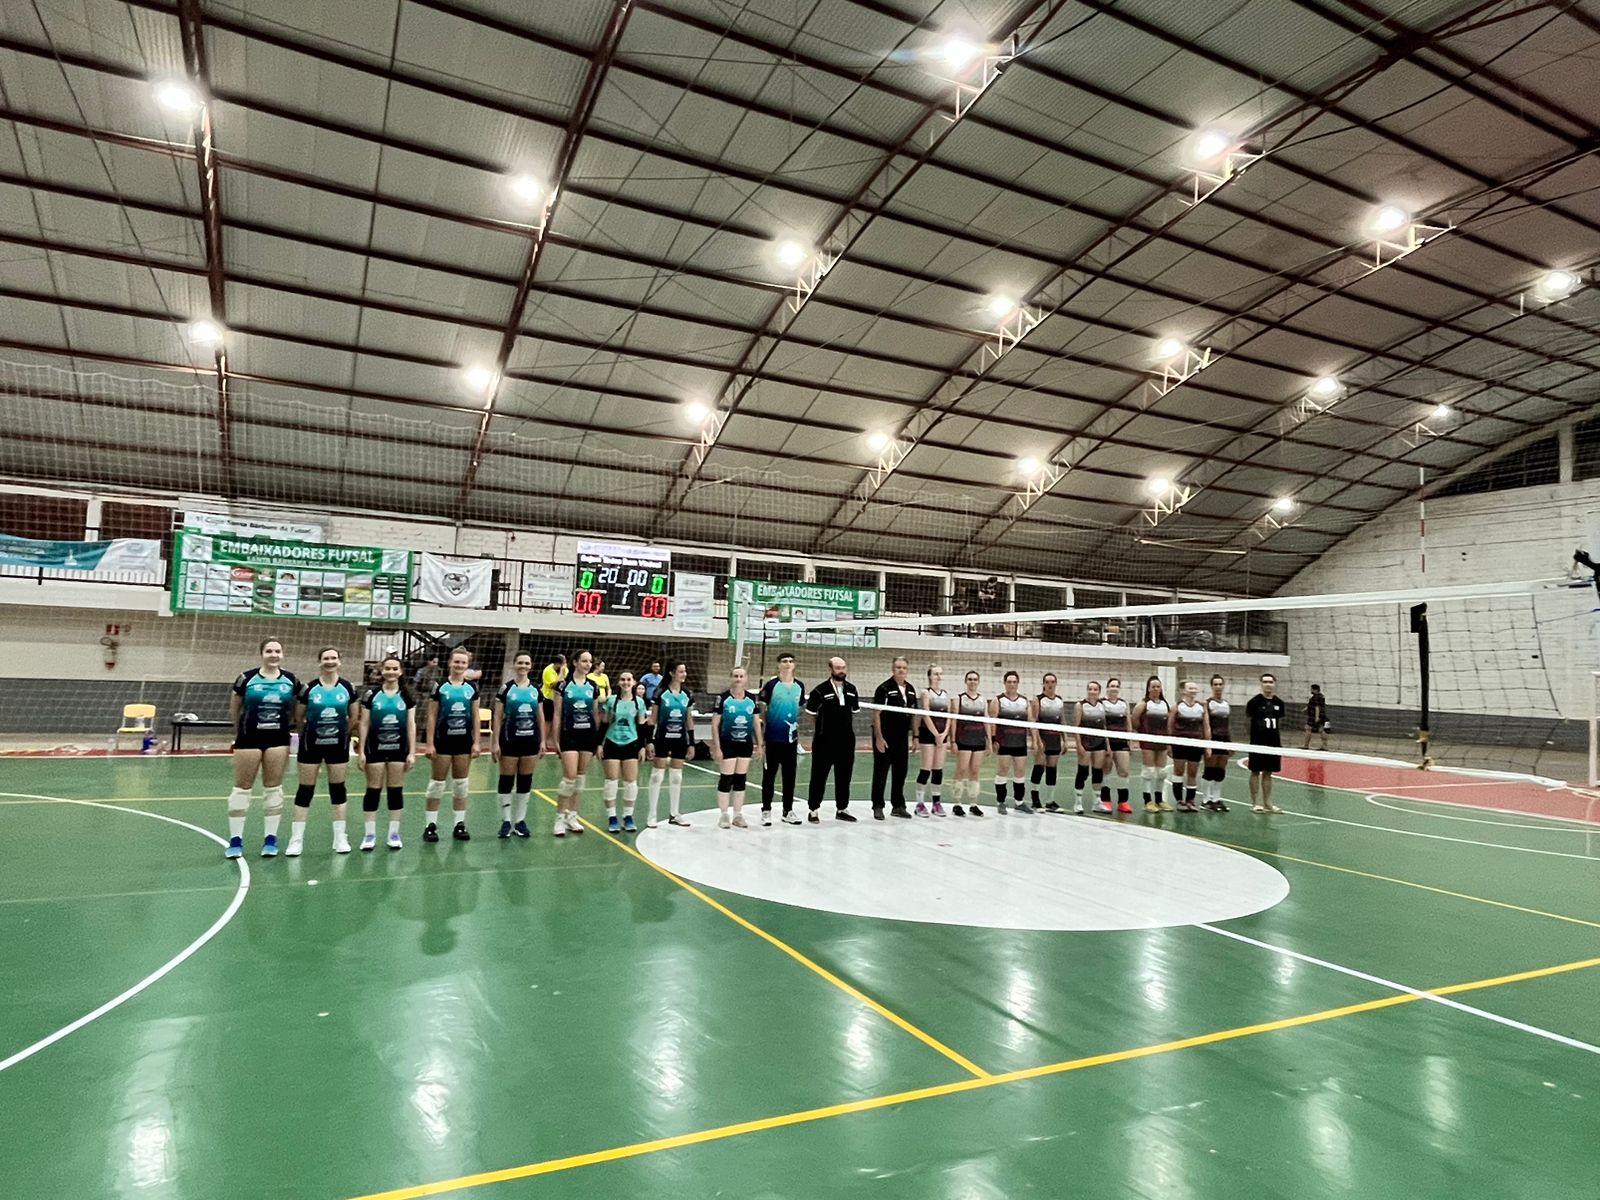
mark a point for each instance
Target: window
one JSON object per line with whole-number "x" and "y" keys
{"x": 1534, "y": 465}
{"x": 847, "y": 577}
{"x": 1586, "y": 444}
{"x": 48, "y": 517}
{"x": 918, "y": 594}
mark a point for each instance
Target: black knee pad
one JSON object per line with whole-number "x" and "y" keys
{"x": 938, "y": 776}
{"x": 506, "y": 781}
{"x": 338, "y": 793}
{"x": 1097, "y": 775}
{"x": 524, "y": 784}
{"x": 922, "y": 777}
{"x": 397, "y": 799}
{"x": 1083, "y": 776}
{"x": 724, "y": 783}
{"x": 1051, "y": 774}
{"x": 369, "y": 802}
{"x": 740, "y": 778}
{"x": 303, "y": 794}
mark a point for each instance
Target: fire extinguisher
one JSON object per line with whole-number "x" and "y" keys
{"x": 110, "y": 644}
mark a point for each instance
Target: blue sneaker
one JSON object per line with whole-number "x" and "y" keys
{"x": 505, "y": 829}
{"x": 235, "y": 848}
{"x": 521, "y": 829}
{"x": 628, "y": 826}
{"x": 269, "y": 848}
{"x": 612, "y": 825}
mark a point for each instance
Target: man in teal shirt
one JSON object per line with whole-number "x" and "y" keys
{"x": 782, "y": 700}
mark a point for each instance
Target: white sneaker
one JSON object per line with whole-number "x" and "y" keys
{"x": 559, "y": 828}
{"x": 394, "y": 839}
{"x": 790, "y": 818}
{"x": 341, "y": 843}
{"x": 739, "y": 823}
{"x": 573, "y": 824}
{"x": 723, "y": 822}
{"x": 296, "y": 847}
{"x": 369, "y": 841}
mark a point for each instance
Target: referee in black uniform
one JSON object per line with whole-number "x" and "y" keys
{"x": 891, "y": 739}
{"x": 833, "y": 704}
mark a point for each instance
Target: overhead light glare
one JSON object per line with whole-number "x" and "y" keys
{"x": 696, "y": 412}
{"x": 177, "y": 97}
{"x": 1391, "y": 218}
{"x": 1326, "y": 387}
{"x": 791, "y": 254}
{"x": 1169, "y": 348}
{"x": 1441, "y": 411}
{"x": 1210, "y": 145}
{"x": 205, "y": 333}
{"x": 1002, "y": 306}
{"x": 525, "y": 188}
{"x": 1283, "y": 504}
{"x": 1158, "y": 485}
{"x": 479, "y": 378}
{"x": 1557, "y": 285}
{"x": 1028, "y": 465}
{"x": 877, "y": 441}
{"x": 959, "y": 52}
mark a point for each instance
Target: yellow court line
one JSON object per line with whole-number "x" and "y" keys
{"x": 1421, "y": 887}
{"x": 853, "y": 992}
{"x": 810, "y": 1115}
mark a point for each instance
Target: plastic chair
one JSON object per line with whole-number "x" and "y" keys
{"x": 137, "y": 719}
{"x": 485, "y": 722}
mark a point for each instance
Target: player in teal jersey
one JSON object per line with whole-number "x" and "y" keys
{"x": 386, "y": 747}
{"x": 672, "y": 719}
{"x": 735, "y": 740}
{"x": 518, "y": 738}
{"x": 263, "y": 712}
{"x": 325, "y": 706}
{"x": 575, "y": 732}
{"x": 782, "y": 699}
{"x": 452, "y": 727}
{"x": 622, "y": 712}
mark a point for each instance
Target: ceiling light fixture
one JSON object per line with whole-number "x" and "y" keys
{"x": 1326, "y": 386}
{"x": 178, "y": 97}
{"x": 479, "y": 378}
{"x": 959, "y": 52}
{"x": 1002, "y": 306}
{"x": 877, "y": 441}
{"x": 525, "y": 188}
{"x": 1283, "y": 504}
{"x": 1158, "y": 485}
{"x": 1441, "y": 411}
{"x": 696, "y": 412}
{"x": 1169, "y": 348}
{"x": 1556, "y": 285}
{"x": 205, "y": 333}
{"x": 1391, "y": 218}
{"x": 1028, "y": 465}
{"x": 1210, "y": 145}
{"x": 791, "y": 254}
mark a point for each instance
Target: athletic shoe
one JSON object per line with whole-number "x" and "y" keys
{"x": 1152, "y": 806}
{"x": 974, "y": 811}
{"x": 559, "y": 829}
{"x": 957, "y": 811}
{"x": 1052, "y": 807}
{"x": 1188, "y": 806}
{"x": 1025, "y": 808}
{"x": 1218, "y": 806}
{"x": 505, "y": 830}
{"x": 723, "y": 821}
{"x": 1104, "y": 806}
{"x": 739, "y": 821}
{"x": 677, "y": 821}
{"x": 460, "y": 832}
{"x": 296, "y": 848}
{"x": 236, "y": 847}
{"x": 1000, "y": 807}
{"x": 1123, "y": 807}
{"x": 766, "y": 817}
{"x": 628, "y": 825}
{"x": 877, "y": 814}
{"x": 789, "y": 818}
{"x": 841, "y": 815}
{"x": 431, "y": 833}
{"x": 573, "y": 824}
{"x": 369, "y": 841}
{"x": 938, "y": 809}
{"x": 1077, "y": 809}
{"x": 1272, "y": 808}
{"x": 1163, "y": 806}
{"x": 813, "y": 818}
{"x": 613, "y": 825}
{"x": 394, "y": 839}
{"x": 341, "y": 843}
{"x": 900, "y": 812}
{"x": 269, "y": 848}
{"x": 1258, "y": 808}
{"x": 921, "y": 810}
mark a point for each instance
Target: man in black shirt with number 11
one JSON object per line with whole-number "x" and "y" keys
{"x": 1266, "y": 712}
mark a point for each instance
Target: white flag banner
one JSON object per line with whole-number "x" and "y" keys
{"x": 457, "y": 582}
{"x": 694, "y": 603}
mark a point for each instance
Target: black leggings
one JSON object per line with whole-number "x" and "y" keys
{"x": 781, "y": 756}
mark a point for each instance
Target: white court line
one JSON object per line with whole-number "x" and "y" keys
{"x": 1581, "y": 827}
{"x": 1439, "y": 837}
{"x": 167, "y": 967}
{"x": 1446, "y": 1001}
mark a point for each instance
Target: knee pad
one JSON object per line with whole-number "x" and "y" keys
{"x": 922, "y": 777}
{"x": 1082, "y": 777}
{"x": 724, "y": 783}
{"x": 303, "y": 794}
{"x": 338, "y": 793}
{"x": 739, "y": 780}
{"x": 397, "y": 799}
{"x": 938, "y": 775}
{"x": 435, "y": 789}
{"x": 463, "y": 788}
{"x": 505, "y": 783}
{"x": 369, "y": 800}
{"x": 239, "y": 802}
{"x": 273, "y": 798}
{"x": 1051, "y": 774}
{"x": 524, "y": 784}
{"x": 1097, "y": 775}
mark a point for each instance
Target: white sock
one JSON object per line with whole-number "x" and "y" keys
{"x": 297, "y": 825}
{"x": 273, "y": 807}
{"x": 338, "y": 829}
{"x": 611, "y": 797}
{"x": 238, "y": 809}
{"x": 519, "y": 808}
{"x": 372, "y": 827}
{"x": 394, "y": 825}
{"x": 655, "y": 795}
{"x": 675, "y": 792}
{"x": 922, "y": 794}
{"x": 630, "y": 796}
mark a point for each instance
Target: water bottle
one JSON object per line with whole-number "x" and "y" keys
{"x": 149, "y": 746}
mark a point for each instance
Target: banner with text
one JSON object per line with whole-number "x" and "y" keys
{"x": 456, "y": 582}
{"x": 117, "y": 554}
{"x": 250, "y": 576}
{"x": 764, "y": 606}
{"x": 694, "y": 602}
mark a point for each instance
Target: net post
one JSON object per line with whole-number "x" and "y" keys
{"x": 1594, "y": 731}
{"x": 1419, "y": 626}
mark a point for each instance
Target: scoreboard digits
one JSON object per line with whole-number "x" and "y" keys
{"x": 627, "y": 581}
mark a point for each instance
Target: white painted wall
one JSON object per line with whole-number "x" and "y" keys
{"x": 1532, "y": 657}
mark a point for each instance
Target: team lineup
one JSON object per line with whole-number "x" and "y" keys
{"x": 571, "y": 711}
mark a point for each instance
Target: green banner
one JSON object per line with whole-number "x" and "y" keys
{"x": 263, "y": 577}
{"x": 118, "y": 554}
{"x": 766, "y": 605}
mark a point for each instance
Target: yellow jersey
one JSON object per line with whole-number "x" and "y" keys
{"x": 601, "y": 681}
{"x": 548, "y": 681}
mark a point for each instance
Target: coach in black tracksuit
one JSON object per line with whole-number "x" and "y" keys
{"x": 833, "y": 703}
{"x": 891, "y": 740}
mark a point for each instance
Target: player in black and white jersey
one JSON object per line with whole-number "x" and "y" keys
{"x": 1118, "y": 719}
{"x": 934, "y": 733}
{"x": 1188, "y": 720}
{"x": 1266, "y": 711}
{"x": 972, "y": 741}
{"x": 1010, "y": 743}
{"x": 1049, "y": 708}
{"x": 1092, "y": 747}
{"x": 1150, "y": 715}
{"x": 1216, "y": 764}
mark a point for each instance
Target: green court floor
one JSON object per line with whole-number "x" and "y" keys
{"x": 562, "y": 1019}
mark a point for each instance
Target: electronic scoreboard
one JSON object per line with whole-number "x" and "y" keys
{"x": 625, "y": 581}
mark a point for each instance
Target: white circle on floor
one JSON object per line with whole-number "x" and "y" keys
{"x": 1044, "y": 871}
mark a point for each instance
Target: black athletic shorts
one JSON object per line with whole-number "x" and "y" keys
{"x": 549, "y": 707}
{"x": 584, "y": 741}
{"x": 452, "y": 745}
{"x": 520, "y": 747}
{"x": 1052, "y": 743}
{"x": 620, "y": 751}
{"x": 1188, "y": 753}
{"x": 387, "y": 754}
{"x": 1093, "y": 745}
{"x": 1265, "y": 764}
{"x": 1013, "y": 751}
{"x": 269, "y": 739}
{"x": 926, "y": 737}
{"x": 731, "y": 749}
{"x": 333, "y": 755}
{"x": 676, "y": 749}
{"x": 970, "y": 742}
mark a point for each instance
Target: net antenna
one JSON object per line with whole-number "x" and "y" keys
{"x": 1419, "y": 627}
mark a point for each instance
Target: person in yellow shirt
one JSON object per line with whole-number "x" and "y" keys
{"x": 601, "y": 679}
{"x": 552, "y": 677}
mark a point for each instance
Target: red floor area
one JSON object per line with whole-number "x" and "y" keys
{"x": 1448, "y": 787}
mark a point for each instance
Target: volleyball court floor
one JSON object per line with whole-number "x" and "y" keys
{"x": 1413, "y": 1012}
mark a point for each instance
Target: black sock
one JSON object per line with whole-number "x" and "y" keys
{"x": 1177, "y": 790}
{"x": 1000, "y": 792}
{"x": 1188, "y": 795}
{"x": 1016, "y": 791}
{"x": 1122, "y": 795}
